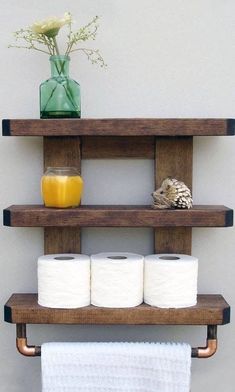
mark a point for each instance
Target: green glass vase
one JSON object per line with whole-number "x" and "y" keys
{"x": 60, "y": 96}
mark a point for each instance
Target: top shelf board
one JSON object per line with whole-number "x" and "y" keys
{"x": 119, "y": 127}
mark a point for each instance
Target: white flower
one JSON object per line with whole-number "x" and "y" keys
{"x": 52, "y": 25}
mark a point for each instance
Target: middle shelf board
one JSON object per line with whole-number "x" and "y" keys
{"x": 210, "y": 310}
{"x": 117, "y": 216}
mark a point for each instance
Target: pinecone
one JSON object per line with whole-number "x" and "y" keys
{"x": 172, "y": 194}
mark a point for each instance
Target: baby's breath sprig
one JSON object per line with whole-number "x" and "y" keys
{"x": 92, "y": 55}
{"x": 31, "y": 40}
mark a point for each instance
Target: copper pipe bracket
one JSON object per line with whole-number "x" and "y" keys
{"x": 198, "y": 352}
{"x": 22, "y": 345}
{"x": 211, "y": 344}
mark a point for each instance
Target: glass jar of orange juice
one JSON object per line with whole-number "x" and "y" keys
{"x": 61, "y": 187}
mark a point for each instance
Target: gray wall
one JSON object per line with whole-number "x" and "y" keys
{"x": 166, "y": 58}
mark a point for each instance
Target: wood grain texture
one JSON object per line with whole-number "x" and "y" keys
{"x": 119, "y": 127}
{"x": 174, "y": 157}
{"x": 117, "y": 216}
{"x": 62, "y": 151}
{"x": 62, "y": 240}
{"x": 59, "y": 152}
{"x": 112, "y": 147}
{"x": 173, "y": 240}
{"x": 210, "y": 310}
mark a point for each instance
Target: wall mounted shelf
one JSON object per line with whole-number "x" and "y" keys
{"x": 210, "y": 310}
{"x": 117, "y": 216}
{"x": 170, "y": 143}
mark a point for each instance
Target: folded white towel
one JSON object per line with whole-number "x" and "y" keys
{"x": 121, "y": 367}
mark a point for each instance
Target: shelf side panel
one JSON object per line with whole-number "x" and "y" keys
{"x": 174, "y": 157}
{"x": 60, "y": 152}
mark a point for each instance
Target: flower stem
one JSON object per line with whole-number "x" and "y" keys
{"x": 60, "y": 71}
{"x": 56, "y": 46}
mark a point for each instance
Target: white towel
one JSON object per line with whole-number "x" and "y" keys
{"x": 120, "y": 367}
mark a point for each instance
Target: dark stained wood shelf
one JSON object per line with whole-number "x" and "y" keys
{"x": 115, "y": 216}
{"x": 210, "y": 310}
{"x": 170, "y": 143}
{"x": 119, "y": 127}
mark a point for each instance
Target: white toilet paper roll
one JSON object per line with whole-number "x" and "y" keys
{"x": 170, "y": 280}
{"x": 117, "y": 279}
{"x": 64, "y": 280}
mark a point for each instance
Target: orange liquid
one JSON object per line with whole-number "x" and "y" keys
{"x": 62, "y": 191}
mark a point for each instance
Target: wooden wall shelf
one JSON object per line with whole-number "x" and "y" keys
{"x": 117, "y": 216}
{"x": 170, "y": 143}
{"x": 210, "y": 310}
{"x": 119, "y": 127}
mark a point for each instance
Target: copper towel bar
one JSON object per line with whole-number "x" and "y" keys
{"x": 35, "y": 351}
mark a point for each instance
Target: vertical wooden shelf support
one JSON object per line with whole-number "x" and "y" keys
{"x": 173, "y": 157}
{"x": 59, "y": 152}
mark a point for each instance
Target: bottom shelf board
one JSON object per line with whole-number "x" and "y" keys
{"x": 210, "y": 310}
